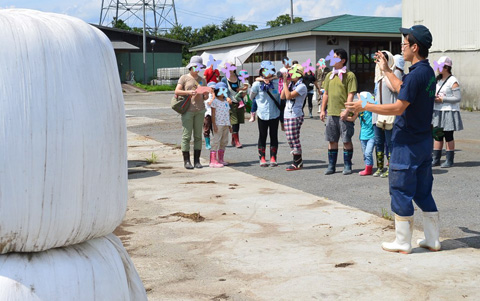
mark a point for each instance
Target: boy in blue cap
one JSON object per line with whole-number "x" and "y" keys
{"x": 411, "y": 158}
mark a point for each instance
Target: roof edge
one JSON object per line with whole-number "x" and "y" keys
{"x": 138, "y": 34}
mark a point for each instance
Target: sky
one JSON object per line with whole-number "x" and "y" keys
{"x": 197, "y": 13}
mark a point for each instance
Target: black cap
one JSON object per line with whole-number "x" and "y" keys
{"x": 421, "y": 33}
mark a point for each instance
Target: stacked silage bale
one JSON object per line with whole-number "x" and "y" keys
{"x": 63, "y": 162}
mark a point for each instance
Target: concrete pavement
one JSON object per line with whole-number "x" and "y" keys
{"x": 263, "y": 241}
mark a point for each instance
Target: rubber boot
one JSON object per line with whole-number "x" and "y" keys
{"x": 310, "y": 112}
{"x": 261, "y": 155}
{"x": 431, "y": 229}
{"x": 207, "y": 143}
{"x": 347, "y": 161}
{"x": 233, "y": 140}
{"x": 403, "y": 236}
{"x": 380, "y": 158}
{"x": 449, "y": 161}
{"x": 196, "y": 158}
{"x": 385, "y": 173}
{"x": 221, "y": 154}
{"x": 236, "y": 140}
{"x": 213, "y": 160}
{"x": 332, "y": 161}
{"x": 273, "y": 156}
{"x": 367, "y": 171}
{"x": 437, "y": 154}
{"x": 186, "y": 160}
{"x": 297, "y": 163}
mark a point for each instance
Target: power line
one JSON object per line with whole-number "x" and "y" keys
{"x": 213, "y": 18}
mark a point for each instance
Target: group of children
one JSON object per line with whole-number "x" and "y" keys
{"x": 339, "y": 86}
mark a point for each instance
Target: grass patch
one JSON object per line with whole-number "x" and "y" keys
{"x": 386, "y": 215}
{"x": 155, "y": 88}
{"x": 153, "y": 159}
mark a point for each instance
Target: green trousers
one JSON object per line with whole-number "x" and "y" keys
{"x": 192, "y": 122}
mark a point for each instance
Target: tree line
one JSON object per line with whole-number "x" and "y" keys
{"x": 207, "y": 33}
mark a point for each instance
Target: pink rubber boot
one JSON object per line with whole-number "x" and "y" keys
{"x": 367, "y": 171}
{"x": 213, "y": 160}
{"x": 221, "y": 154}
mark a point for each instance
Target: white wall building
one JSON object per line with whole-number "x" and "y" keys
{"x": 455, "y": 27}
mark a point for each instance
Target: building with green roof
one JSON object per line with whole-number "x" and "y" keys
{"x": 361, "y": 36}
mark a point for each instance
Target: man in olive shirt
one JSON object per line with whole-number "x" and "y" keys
{"x": 340, "y": 87}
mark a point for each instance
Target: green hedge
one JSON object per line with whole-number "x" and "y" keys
{"x": 151, "y": 88}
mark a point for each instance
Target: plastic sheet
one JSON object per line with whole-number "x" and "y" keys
{"x": 63, "y": 161}
{"x": 99, "y": 269}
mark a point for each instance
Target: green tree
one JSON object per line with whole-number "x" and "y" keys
{"x": 283, "y": 20}
{"x": 185, "y": 34}
{"x": 207, "y": 33}
{"x": 230, "y": 27}
{"x": 120, "y": 24}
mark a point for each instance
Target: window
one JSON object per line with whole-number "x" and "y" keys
{"x": 267, "y": 55}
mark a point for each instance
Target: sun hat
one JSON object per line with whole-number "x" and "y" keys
{"x": 399, "y": 61}
{"x": 211, "y": 84}
{"x": 195, "y": 61}
{"x": 220, "y": 85}
{"x": 299, "y": 69}
{"x": 230, "y": 62}
{"x": 421, "y": 33}
{"x": 446, "y": 60}
{"x": 267, "y": 65}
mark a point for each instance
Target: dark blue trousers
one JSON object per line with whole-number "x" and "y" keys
{"x": 410, "y": 177}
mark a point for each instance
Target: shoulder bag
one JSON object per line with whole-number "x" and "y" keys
{"x": 279, "y": 106}
{"x": 180, "y": 103}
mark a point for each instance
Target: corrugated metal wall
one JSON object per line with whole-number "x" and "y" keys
{"x": 455, "y": 26}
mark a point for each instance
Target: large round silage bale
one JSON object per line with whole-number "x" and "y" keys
{"x": 98, "y": 269}
{"x": 63, "y": 162}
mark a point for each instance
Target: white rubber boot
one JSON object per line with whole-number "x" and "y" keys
{"x": 431, "y": 229}
{"x": 403, "y": 236}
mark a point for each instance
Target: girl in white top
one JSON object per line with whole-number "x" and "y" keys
{"x": 221, "y": 125}
{"x": 446, "y": 112}
{"x": 295, "y": 92}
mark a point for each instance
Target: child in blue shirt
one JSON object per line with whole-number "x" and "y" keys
{"x": 367, "y": 138}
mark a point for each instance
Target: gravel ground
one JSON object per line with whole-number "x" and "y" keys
{"x": 455, "y": 190}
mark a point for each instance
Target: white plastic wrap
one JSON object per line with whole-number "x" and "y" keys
{"x": 98, "y": 269}
{"x": 63, "y": 162}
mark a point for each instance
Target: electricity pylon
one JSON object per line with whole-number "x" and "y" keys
{"x": 161, "y": 14}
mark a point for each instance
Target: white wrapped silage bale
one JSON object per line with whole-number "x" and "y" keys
{"x": 63, "y": 162}
{"x": 98, "y": 269}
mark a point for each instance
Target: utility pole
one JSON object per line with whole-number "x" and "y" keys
{"x": 144, "y": 47}
{"x": 291, "y": 11}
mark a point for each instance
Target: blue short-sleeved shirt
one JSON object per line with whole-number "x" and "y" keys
{"x": 418, "y": 88}
{"x": 366, "y": 130}
{"x": 266, "y": 108}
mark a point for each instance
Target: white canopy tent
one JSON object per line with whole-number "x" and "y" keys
{"x": 237, "y": 55}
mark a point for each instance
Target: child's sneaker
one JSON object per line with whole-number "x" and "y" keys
{"x": 273, "y": 162}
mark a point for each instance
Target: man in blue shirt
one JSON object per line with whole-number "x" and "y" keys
{"x": 411, "y": 159}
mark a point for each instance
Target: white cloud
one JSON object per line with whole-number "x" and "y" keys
{"x": 88, "y": 11}
{"x": 309, "y": 10}
{"x": 389, "y": 11}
